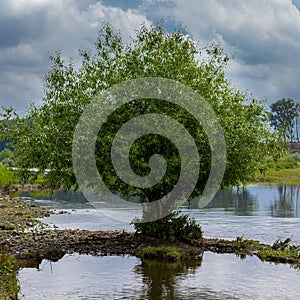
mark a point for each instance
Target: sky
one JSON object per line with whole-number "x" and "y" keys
{"x": 263, "y": 36}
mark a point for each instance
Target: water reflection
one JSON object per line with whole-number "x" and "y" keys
{"x": 279, "y": 201}
{"x": 275, "y": 201}
{"x": 161, "y": 278}
{"x": 286, "y": 203}
{"x": 218, "y": 276}
{"x": 264, "y": 213}
{"x": 57, "y": 199}
{"x": 105, "y": 277}
{"x": 241, "y": 201}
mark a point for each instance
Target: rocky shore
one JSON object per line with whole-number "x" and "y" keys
{"x": 25, "y": 237}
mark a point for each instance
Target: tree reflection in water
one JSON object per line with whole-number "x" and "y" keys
{"x": 161, "y": 278}
{"x": 237, "y": 200}
{"x": 286, "y": 204}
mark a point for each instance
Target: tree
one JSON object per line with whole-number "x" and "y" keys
{"x": 297, "y": 111}
{"x": 46, "y": 141}
{"x": 284, "y": 117}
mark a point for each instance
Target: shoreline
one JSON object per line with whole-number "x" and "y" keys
{"x": 30, "y": 246}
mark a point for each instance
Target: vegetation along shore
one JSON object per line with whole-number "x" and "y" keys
{"x": 25, "y": 241}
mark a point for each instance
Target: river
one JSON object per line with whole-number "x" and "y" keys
{"x": 265, "y": 213}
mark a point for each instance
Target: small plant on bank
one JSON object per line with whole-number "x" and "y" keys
{"x": 290, "y": 161}
{"x": 9, "y": 285}
{"x": 162, "y": 254}
{"x": 175, "y": 227}
{"x": 282, "y": 252}
{"x": 7, "y": 177}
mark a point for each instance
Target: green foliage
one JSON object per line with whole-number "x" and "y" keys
{"x": 6, "y": 157}
{"x": 293, "y": 157}
{"x": 244, "y": 244}
{"x": 9, "y": 285}
{"x": 163, "y": 254}
{"x": 175, "y": 227}
{"x": 5, "y": 143}
{"x": 285, "y": 170}
{"x": 281, "y": 176}
{"x": 284, "y": 163}
{"x": 7, "y": 177}
{"x": 269, "y": 162}
{"x": 292, "y": 253}
{"x": 284, "y": 117}
{"x": 43, "y": 139}
{"x": 290, "y": 161}
{"x": 281, "y": 251}
{"x": 282, "y": 245}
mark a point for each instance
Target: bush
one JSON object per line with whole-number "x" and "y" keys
{"x": 6, "y": 177}
{"x": 162, "y": 254}
{"x": 293, "y": 157}
{"x": 269, "y": 162}
{"x": 9, "y": 286}
{"x": 285, "y": 164}
{"x": 290, "y": 161}
{"x": 175, "y": 227}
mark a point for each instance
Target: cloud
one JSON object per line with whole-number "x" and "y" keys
{"x": 264, "y": 35}
{"x": 21, "y": 55}
{"x": 31, "y": 30}
{"x": 22, "y": 88}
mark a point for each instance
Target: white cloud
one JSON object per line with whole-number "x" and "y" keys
{"x": 247, "y": 25}
{"x": 22, "y": 54}
{"x": 35, "y": 28}
{"x": 264, "y": 34}
{"x": 22, "y": 87}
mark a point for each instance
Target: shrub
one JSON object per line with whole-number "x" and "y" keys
{"x": 6, "y": 177}
{"x": 294, "y": 157}
{"x": 286, "y": 163}
{"x": 9, "y": 285}
{"x": 163, "y": 254}
{"x": 290, "y": 161}
{"x": 269, "y": 162}
{"x": 175, "y": 227}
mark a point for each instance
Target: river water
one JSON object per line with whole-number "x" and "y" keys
{"x": 257, "y": 212}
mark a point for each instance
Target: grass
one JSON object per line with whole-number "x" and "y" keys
{"x": 38, "y": 193}
{"x": 9, "y": 285}
{"x": 286, "y": 170}
{"x": 281, "y": 176}
{"x": 167, "y": 254}
{"x": 7, "y": 177}
{"x": 281, "y": 252}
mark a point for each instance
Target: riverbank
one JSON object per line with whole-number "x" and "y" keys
{"x": 25, "y": 238}
{"x": 279, "y": 176}
{"x": 28, "y": 239}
